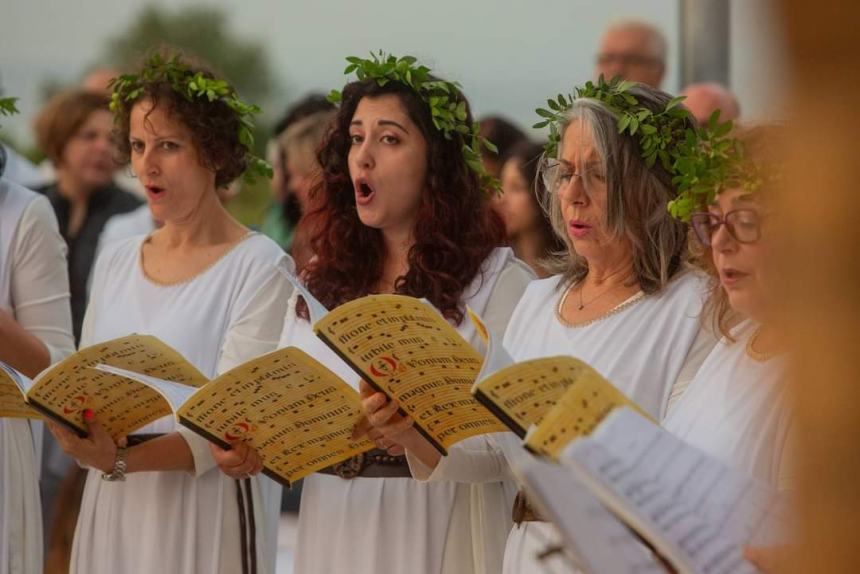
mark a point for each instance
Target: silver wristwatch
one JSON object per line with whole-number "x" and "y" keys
{"x": 119, "y": 466}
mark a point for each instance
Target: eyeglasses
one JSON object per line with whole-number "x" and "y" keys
{"x": 556, "y": 174}
{"x": 608, "y": 58}
{"x": 743, "y": 225}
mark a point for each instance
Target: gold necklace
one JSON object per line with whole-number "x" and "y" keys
{"x": 617, "y": 309}
{"x": 760, "y": 356}
{"x": 593, "y": 299}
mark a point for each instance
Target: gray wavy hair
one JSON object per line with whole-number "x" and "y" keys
{"x": 637, "y": 196}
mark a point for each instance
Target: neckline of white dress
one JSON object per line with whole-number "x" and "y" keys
{"x": 629, "y": 302}
{"x": 196, "y": 275}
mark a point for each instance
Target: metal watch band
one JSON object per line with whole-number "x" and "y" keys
{"x": 119, "y": 466}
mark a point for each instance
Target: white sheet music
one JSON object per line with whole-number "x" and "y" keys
{"x": 704, "y": 510}
{"x": 595, "y": 539}
{"x": 746, "y": 510}
{"x": 23, "y": 382}
{"x": 174, "y": 393}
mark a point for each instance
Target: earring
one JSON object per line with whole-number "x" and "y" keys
{"x": 130, "y": 172}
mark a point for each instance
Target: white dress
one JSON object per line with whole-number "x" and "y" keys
{"x": 737, "y": 409}
{"x": 124, "y": 225}
{"x": 642, "y": 349}
{"x": 176, "y": 521}
{"x": 34, "y": 289}
{"x": 398, "y": 525}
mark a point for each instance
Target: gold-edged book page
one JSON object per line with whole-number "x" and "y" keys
{"x": 406, "y": 349}
{"x": 121, "y": 405}
{"x": 12, "y": 401}
{"x": 526, "y": 391}
{"x": 579, "y": 410}
{"x": 295, "y": 412}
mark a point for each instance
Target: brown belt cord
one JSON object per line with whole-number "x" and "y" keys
{"x": 252, "y": 527}
{"x": 242, "y": 528}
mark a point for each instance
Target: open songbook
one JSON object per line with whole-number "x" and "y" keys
{"x": 403, "y": 347}
{"x": 62, "y": 392}
{"x": 296, "y": 413}
{"x": 631, "y": 482}
{"x": 548, "y": 402}
{"x": 13, "y": 394}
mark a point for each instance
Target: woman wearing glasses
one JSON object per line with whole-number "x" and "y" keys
{"x": 621, "y": 298}
{"x": 736, "y": 408}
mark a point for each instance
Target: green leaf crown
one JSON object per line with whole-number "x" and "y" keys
{"x": 702, "y": 160}
{"x": 8, "y": 107}
{"x": 192, "y": 85}
{"x": 447, "y": 109}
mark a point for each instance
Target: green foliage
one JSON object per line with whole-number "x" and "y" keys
{"x": 446, "y": 108}
{"x": 8, "y": 107}
{"x": 201, "y": 31}
{"x": 702, "y": 161}
{"x": 128, "y": 88}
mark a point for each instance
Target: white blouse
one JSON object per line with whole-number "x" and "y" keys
{"x": 643, "y": 349}
{"x": 738, "y": 409}
{"x": 175, "y": 521}
{"x": 34, "y": 289}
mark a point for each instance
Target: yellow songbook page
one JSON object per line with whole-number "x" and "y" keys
{"x": 122, "y": 406}
{"x": 521, "y": 394}
{"x": 407, "y": 350}
{"x": 589, "y": 398}
{"x": 13, "y": 403}
{"x": 296, "y": 413}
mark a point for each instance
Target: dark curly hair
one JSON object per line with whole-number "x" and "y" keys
{"x": 214, "y": 126}
{"x": 455, "y": 230}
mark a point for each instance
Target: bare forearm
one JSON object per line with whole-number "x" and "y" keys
{"x": 20, "y": 349}
{"x": 420, "y": 447}
{"x": 168, "y": 452}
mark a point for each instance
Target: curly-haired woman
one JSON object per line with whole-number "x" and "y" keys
{"x": 404, "y": 213}
{"x": 211, "y": 289}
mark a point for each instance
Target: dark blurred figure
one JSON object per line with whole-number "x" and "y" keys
{"x": 74, "y": 132}
{"x": 283, "y": 213}
{"x": 301, "y": 141}
{"x": 703, "y": 98}
{"x": 633, "y": 49}
{"x": 504, "y": 135}
{"x": 521, "y": 206}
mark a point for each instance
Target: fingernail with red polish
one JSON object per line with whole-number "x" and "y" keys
{"x": 89, "y": 414}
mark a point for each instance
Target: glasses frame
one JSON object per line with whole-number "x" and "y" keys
{"x": 719, "y": 220}
{"x": 548, "y": 173}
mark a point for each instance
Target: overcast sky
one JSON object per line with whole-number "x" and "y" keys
{"x": 509, "y": 55}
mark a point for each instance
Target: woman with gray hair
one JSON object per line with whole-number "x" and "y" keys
{"x": 622, "y": 299}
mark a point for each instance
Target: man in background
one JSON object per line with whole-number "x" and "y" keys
{"x": 703, "y": 98}
{"x": 633, "y": 49}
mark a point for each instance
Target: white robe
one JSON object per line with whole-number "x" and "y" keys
{"x": 737, "y": 409}
{"x": 175, "y": 521}
{"x": 34, "y": 289}
{"x": 642, "y": 349}
{"x": 398, "y": 525}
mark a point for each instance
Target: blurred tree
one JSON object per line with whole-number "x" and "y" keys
{"x": 200, "y": 31}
